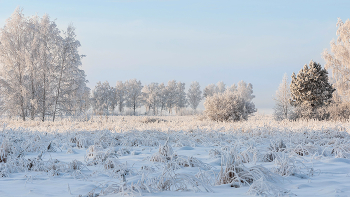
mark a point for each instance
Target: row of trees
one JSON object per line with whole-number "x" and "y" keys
{"x": 310, "y": 95}
{"x": 235, "y": 103}
{"x": 40, "y": 71}
{"x": 154, "y": 97}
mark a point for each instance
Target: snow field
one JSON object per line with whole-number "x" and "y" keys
{"x": 174, "y": 156}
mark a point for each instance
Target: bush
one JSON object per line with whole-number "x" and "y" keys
{"x": 228, "y": 106}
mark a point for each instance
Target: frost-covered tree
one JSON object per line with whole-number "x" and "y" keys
{"x": 13, "y": 40}
{"x": 150, "y": 95}
{"x": 245, "y": 90}
{"x": 32, "y": 59}
{"x": 220, "y": 87}
{"x": 113, "y": 99}
{"x": 181, "y": 100}
{"x": 283, "y": 108}
{"x": 194, "y": 95}
{"x": 134, "y": 94}
{"x": 84, "y": 101}
{"x": 338, "y": 61}
{"x": 48, "y": 53}
{"x": 231, "y": 105}
{"x": 162, "y": 93}
{"x": 209, "y": 90}
{"x": 103, "y": 98}
{"x": 70, "y": 78}
{"x": 40, "y": 72}
{"x": 121, "y": 94}
{"x": 310, "y": 90}
{"x": 171, "y": 94}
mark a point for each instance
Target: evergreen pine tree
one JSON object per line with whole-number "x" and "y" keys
{"x": 310, "y": 90}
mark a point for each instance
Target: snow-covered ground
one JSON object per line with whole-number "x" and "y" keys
{"x": 174, "y": 156}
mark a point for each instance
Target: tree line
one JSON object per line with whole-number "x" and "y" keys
{"x": 157, "y": 98}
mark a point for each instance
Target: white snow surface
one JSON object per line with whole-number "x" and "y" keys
{"x": 174, "y": 156}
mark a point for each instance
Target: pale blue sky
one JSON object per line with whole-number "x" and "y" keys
{"x": 204, "y": 41}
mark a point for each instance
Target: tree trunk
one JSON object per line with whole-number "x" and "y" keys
{"x": 44, "y": 99}
{"x": 21, "y": 92}
{"x": 58, "y": 91}
{"x": 134, "y": 107}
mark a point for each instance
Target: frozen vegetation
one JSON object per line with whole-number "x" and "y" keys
{"x": 303, "y": 150}
{"x": 174, "y": 156}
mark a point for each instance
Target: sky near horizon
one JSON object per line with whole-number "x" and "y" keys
{"x": 197, "y": 40}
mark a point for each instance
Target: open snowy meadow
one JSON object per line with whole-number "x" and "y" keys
{"x": 174, "y": 156}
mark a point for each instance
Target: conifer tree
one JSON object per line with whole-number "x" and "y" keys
{"x": 310, "y": 90}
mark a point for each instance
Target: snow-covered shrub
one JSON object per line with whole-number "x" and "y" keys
{"x": 75, "y": 165}
{"x": 227, "y": 107}
{"x": 97, "y": 155}
{"x": 116, "y": 169}
{"x": 234, "y": 172}
{"x": 169, "y": 180}
{"x": 275, "y": 146}
{"x": 165, "y": 153}
{"x": 301, "y": 150}
{"x": 250, "y": 155}
{"x": 341, "y": 150}
{"x": 231, "y": 105}
{"x": 206, "y": 176}
{"x": 191, "y": 161}
{"x": 284, "y": 165}
{"x": 82, "y": 142}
